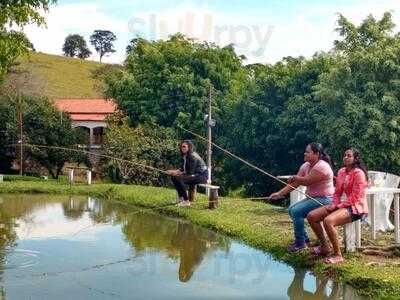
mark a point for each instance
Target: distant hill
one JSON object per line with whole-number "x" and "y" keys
{"x": 59, "y": 76}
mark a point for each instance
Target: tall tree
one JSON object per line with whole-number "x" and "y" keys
{"x": 13, "y": 14}
{"x": 102, "y": 41}
{"x": 168, "y": 82}
{"x": 75, "y": 45}
{"x": 360, "y": 96}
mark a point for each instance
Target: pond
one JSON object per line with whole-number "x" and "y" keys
{"x": 61, "y": 247}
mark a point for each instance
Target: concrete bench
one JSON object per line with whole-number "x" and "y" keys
{"x": 212, "y": 195}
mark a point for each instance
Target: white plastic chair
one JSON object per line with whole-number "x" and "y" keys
{"x": 383, "y": 201}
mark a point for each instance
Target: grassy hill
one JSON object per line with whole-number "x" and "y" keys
{"x": 58, "y": 76}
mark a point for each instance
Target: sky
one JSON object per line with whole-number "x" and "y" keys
{"x": 264, "y": 31}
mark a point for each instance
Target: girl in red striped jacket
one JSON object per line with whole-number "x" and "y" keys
{"x": 352, "y": 180}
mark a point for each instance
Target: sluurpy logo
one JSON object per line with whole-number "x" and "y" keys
{"x": 251, "y": 40}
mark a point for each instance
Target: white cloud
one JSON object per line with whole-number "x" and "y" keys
{"x": 82, "y": 19}
{"x": 262, "y": 36}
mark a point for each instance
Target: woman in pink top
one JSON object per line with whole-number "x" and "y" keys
{"x": 352, "y": 180}
{"x": 317, "y": 175}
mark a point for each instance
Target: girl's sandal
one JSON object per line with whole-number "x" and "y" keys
{"x": 334, "y": 260}
{"x": 317, "y": 251}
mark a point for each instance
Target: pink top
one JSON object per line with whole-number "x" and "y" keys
{"x": 321, "y": 188}
{"x": 354, "y": 188}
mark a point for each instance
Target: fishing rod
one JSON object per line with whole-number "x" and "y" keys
{"x": 251, "y": 165}
{"x": 154, "y": 168}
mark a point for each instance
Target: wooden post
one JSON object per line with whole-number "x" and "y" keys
{"x": 213, "y": 198}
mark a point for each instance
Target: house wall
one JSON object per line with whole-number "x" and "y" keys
{"x": 90, "y": 125}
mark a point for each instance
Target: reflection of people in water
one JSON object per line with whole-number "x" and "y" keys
{"x": 192, "y": 249}
{"x": 296, "y": 289}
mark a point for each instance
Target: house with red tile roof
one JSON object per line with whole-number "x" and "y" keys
{"x": 89, "y": 114}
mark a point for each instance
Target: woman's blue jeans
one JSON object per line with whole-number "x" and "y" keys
{"x": 299, "y": 211}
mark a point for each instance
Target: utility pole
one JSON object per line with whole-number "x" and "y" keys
{"x": 209, "y": 136}
{"x": 21, "y": 134}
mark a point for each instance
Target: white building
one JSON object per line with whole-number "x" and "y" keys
{"x": 89, "y": 114}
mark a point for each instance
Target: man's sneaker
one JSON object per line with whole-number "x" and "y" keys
{"x": 295, "y": 247}
{"x": 184, "y": 203}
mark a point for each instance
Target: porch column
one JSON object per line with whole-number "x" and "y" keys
{"x": 90, "y": 136}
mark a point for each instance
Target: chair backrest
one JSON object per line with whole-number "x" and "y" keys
{"x": 377, "y": 178}
{"x": 383, "y": 179}
{"x": 392, "y": 180}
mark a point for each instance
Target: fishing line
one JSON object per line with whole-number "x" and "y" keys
{"x": 91, "y": 153}
{"x": 251, "y": 165}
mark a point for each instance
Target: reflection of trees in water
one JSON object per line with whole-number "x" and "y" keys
{"x": 174, "y": 237}
{"x": 193, "y": 243}
{"x": 2, "y": 293}
{"x": 8, "y": 237}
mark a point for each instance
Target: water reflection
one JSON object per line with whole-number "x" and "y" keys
{"x": 47, "y": 234}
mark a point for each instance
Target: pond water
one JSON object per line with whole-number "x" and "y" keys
{"x": 60, "y": 247}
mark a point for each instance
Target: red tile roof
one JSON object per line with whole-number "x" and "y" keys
{"x": 87, "y": 109}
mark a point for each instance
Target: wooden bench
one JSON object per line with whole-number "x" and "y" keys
{"x": 212, "y": 196}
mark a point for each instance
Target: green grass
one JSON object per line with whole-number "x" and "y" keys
{"x": 258, "y": 224}
{"x": 58, "y": 76}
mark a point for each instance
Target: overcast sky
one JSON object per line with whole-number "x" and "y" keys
{"x": 262, "y": 30}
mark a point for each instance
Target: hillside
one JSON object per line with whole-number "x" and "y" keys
{"x": 59, "y": 76}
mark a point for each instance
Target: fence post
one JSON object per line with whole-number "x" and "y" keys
{"x": 71, "y": 175}
{"x": 89, "y": 177}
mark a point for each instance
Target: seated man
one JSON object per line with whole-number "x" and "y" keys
{"x": 193, "y": 171}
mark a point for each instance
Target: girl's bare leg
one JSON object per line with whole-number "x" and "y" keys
{"x": 337, "y": 218}
{"x": 315, "y": 218}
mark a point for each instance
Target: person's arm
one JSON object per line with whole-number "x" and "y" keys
{"x": 313, "y": 177}
{"x": 284, "y": 191}
{"x": 176, "y": 172}
{"x": 338, "y": 190}
{"x": 358, "y": 188}
{"x": 289, "y": 187}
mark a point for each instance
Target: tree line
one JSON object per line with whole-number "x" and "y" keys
{"x": 267, "y": 113}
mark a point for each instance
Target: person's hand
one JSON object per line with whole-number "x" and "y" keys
{"x": 169, "y": 172}
{"x": 275, "y": 196}
{"x": 173, "y": 172}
